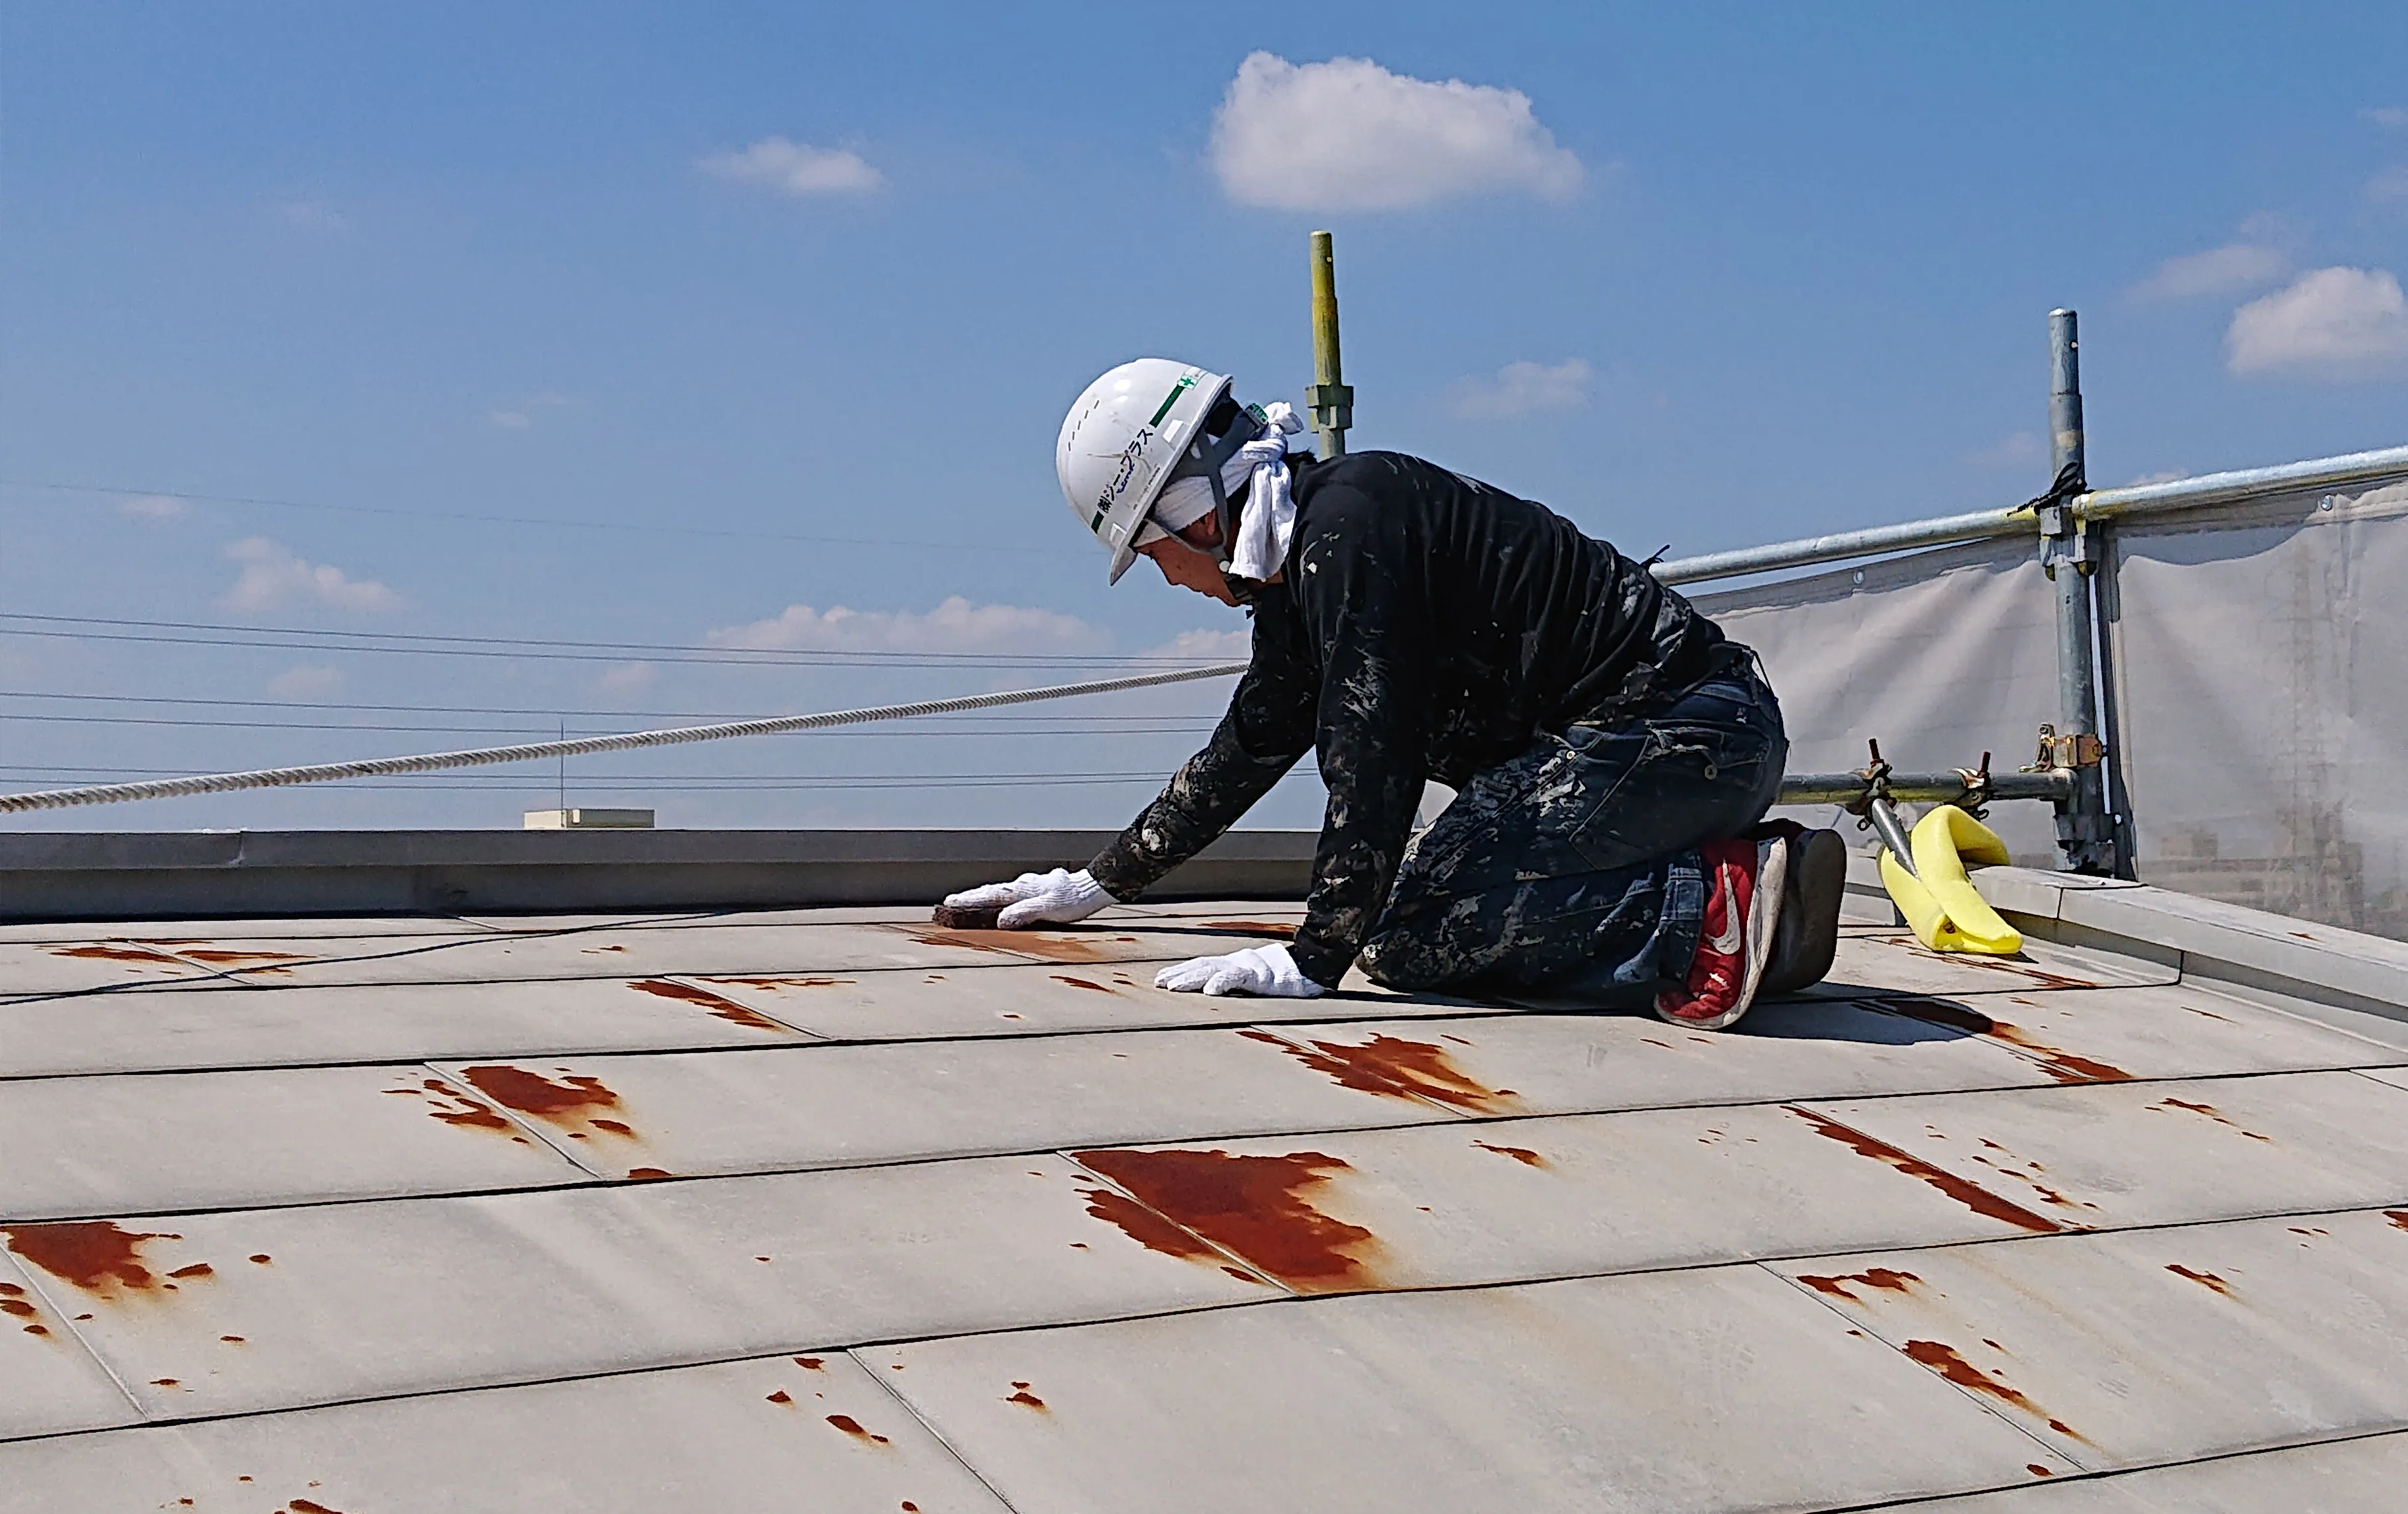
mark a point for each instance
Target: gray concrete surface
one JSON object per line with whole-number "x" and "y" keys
{"x": 517, "y": 1214}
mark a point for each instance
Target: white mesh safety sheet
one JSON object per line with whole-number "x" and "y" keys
{"x": 2262, "y": 656}
{"x": 1940, "y": 656}
{"x": 2260, "y": 673}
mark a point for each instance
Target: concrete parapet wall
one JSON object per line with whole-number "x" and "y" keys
{"x": 230, "y": 874}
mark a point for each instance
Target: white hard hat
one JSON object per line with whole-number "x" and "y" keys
{"x": 1135, "y": 429}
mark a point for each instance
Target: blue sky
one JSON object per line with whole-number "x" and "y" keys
{"x": 768, "y": 307}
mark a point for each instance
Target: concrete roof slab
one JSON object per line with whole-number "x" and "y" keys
{"x": 1705, "y": 1391}
{"x": 1570, "y": 1063}
{"x": 744, "y": 1438}
{"x": 1008, "y": 998}
{"x": 1284, "y": 910}
{"x": 55, "y": 932}
{"x": 319, "y": 1304}
{"x": 2180, "y": 1030}
{"x": 1518, "y": 1200}
{"x": 670, "y": 919}
{"x": 54, "y": 1384}
{"x": 1354, "y": 1144}
{"x": 89, "y": 963}
{"x": 1096, "y": 941}
{"x": 826, "y": 1106}
{"x": 223, "y": 1026}
{"x": 2155, "y": 1345}
{"x": 338, "y": 961}
{"x": 2122, "y": 1154}
{"x": 1895, "y": 962}
{"x": 420, "y": 1295}
{"x": 2362, "y": 1476}
{"x": 2395, "y": 1077}
{"x": 83, "y": 1147}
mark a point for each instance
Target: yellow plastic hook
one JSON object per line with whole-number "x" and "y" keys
{"x": 1938, "y": 899}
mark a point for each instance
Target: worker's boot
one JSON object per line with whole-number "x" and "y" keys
{"x": 1808, "y": 936}
{"x": 1746, "y": 887}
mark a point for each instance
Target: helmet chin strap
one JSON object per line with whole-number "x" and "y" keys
{"x": 1224, "y": 513}
{"x": 1206, "y": 458}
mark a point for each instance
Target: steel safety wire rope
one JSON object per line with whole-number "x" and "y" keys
{"x": 277, "y": 778}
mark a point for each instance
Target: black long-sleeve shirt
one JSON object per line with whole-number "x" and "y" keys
{"x": 1427, "y": 626}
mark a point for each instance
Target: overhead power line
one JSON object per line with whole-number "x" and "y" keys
{"x": 730, "y": 781}
{"x": 104, "y": 794}
{"x": 549, "y": 712}
{"x": 797, "y": 786}
{"x": 544, "y": 521}
{"x": 158, "y": 721}
{"x": 297, "y": 639}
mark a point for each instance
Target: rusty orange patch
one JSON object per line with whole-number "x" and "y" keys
{"x": 1253, "y": 1207}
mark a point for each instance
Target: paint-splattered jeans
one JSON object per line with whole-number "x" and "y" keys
{"x": 1574, "y": 867}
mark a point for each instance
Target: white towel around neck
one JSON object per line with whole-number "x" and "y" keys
{"x": 1268, "y": 519}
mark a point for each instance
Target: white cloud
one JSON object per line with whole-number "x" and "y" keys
{"x": 1523, "y": 388}
{"x": 1347, "y": 135}
{"x": 272, "y": 576}
{"x": 314, "y": 216}
{"x": 1209, "y": 645}
{"x": 2012, "y": 451}
{"x": 153, "y": 507}
{"x": 2394, "y": 117}
{"x": 2158, "y": 476}
{"x": 521, "y": 415}
{"x": 954, "y": 626}
{"x": 627, "y": 677}
{"x": 308, "y": 681}
{"x": 2337, "y": 321}
{"x": 795, "y": 168}
{"x": 2389, "y": 187}
{"x": 2219, "y": 270}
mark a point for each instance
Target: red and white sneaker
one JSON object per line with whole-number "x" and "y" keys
{"x": 1744, "y": 881}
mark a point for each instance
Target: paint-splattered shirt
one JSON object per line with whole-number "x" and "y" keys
{"x": 1427, "y": 626}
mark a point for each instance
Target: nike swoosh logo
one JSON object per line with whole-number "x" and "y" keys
{"x": 1729, "y": 940}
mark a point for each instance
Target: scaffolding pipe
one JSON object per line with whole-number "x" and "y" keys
{"x": 2084, "y": 834}
{"x": 1948, "y": 788}
{"x": 1328, "y": 397}
{"x": 2349, "y": 471}
{"x": 1977, "y": 525}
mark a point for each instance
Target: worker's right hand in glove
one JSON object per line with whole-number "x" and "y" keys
{"x": 1054, "y": 898}
{"x": 1269, "y": 972}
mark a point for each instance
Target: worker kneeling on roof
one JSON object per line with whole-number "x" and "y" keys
{"x": 1614, "y": 754}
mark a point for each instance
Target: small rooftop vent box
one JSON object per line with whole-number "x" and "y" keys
{"x": 589, "y": 820}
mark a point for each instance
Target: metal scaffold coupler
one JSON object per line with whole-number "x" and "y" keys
{"x": 1332, "y": 405}
{"x": 1875, "y": 809}
{"x": 2082, "y": 748}
{"x": 1976, "y": 801}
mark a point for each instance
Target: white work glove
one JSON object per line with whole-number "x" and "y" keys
{"x": 1269, "y": 972}
{"x": 1054, "y": 898}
